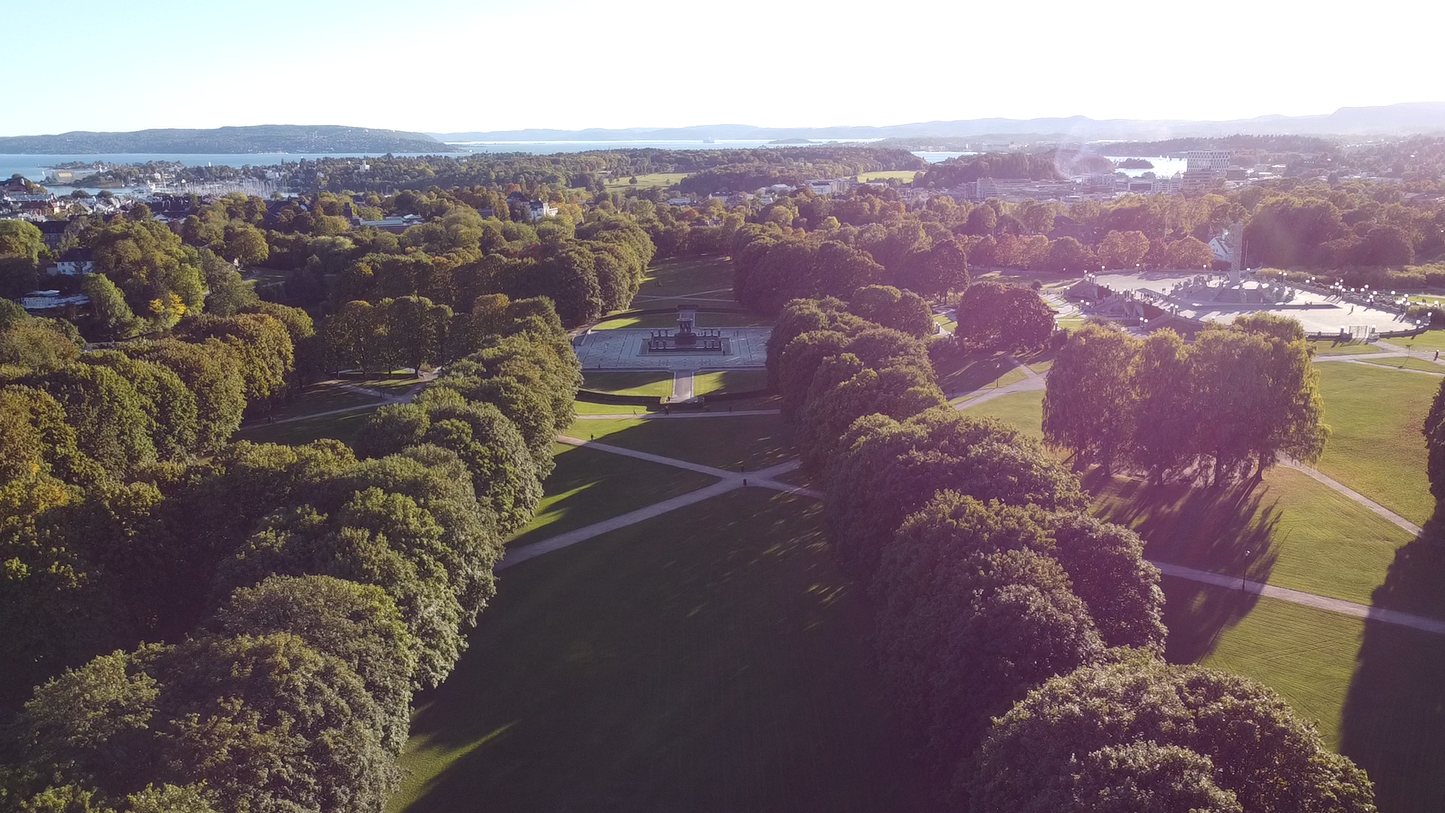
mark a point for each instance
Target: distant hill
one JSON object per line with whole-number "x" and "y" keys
{"x": 1397, "y": 119}
{"x": 260, "y": 138}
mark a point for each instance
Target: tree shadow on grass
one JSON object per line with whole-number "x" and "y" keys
{"x": 1229, "y": 531}
{"x": 712, "y": 659}
{"x": 1393, "y": 722}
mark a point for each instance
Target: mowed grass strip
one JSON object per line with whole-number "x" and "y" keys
{"x": 690, "y": 276}
{"x": 711, "y": 659}
{"x": 1289, "y": 530}
{"x": 342, "y": 427}
{"x": 1372, "y": 689}
{"x": 1375, "y": 445}
{"x": 729, "y": 381}
{"x": 588, "y": 486}
{"x": 964, "y": 372}
{"x": 1305, "y": 654}
{"x": 752, "y": 441}
{"x": 322, "y": 398}
{"x": 658, "y": 383}
{"x": 1407, "y": 363}
{"x": 1335, "y": 347}
{"x": 1022, "y": 410}
{"x": 1428, "y": 340}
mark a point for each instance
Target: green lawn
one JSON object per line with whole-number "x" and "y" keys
{"x": 1429, "y": 340}
{"x": 1372, "y": 689}
{"x": 964, "y": 372}
{"x": 690, "y": 276}
{"x": 1303, "y": 653}
{"x": 708, "y": 660}
{"x": 1290, "y": 531}
{"x": 1375, "y": 446}
{"x": 755, "y": 441}
{"x": 721, "y": 381}
{"x": 1333, "y": 347}
{"x": 589, "y": 486}
{"x": 669, "y": 320}
{"x": 342, "y": 427}
{"x": 651, "y": 383}
{"x": 1408, "y": 363}
{"x": 585, "y": 408}
{"x": 905, "y": 175}
{"x": 322, "y": 398}
{"x": 1023, "y": 410}
{"x": 652, "y": 180}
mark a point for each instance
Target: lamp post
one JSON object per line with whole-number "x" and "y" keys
{"x": 1245, "y": 573}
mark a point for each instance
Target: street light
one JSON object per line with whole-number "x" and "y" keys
{"x": 1245, "y": 573}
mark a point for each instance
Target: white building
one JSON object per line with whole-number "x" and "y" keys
{"x": 1207, "y": 160}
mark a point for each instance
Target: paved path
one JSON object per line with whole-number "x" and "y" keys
{"x": 729, "y": 481}
{"x": 659, "y": 416}
{"x": 985, "y": 394}
{"x": 682, "y": 384}
{"x": 1333, "y": 605}
{"x": 383, "y": 399}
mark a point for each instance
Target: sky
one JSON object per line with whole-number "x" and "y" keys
{"x": 447, "y": 66}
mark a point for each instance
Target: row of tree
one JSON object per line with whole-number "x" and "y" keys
{"x": 310, "y": 589}
{"x": 1238, "y": 395}
{"x": 989, "y": 580}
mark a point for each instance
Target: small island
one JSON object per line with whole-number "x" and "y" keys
{"x": 1135, "y": 163}
{"x": 792, "y": 141}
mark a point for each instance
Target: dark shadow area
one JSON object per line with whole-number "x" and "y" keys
{"x": 1393, "y": 722}
{"x": 746, "y": 442}
{"x": 965, "y": 372}
{"x": 589, "y": 486}
{"x": 1230, "y": 531}
{"x": 713, "y": 659}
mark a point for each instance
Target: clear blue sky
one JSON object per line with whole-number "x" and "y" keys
{"x": 456, "y": 65}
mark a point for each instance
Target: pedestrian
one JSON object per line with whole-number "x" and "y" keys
{"x": 745, "y": 481}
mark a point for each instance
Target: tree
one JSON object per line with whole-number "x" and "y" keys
{"x": 108, "y": 415}
{"x": 111, "y": 318}
{"x": 357, "y": 624}
{"x": 1434, "y": 431}
{"x": 991, "y": 314}
{"x": 170, "y": 408}
{"x": 1164, "y": 424}
{"x": 227, "y": 292}
{"x": 1106, "y": 566}
{"x": 1067, "y": 255}
{"x": 1056, "y": 742}
{"x": 245, "y": 244}
{"x": 1123, "y": 249}
{"x": 416, "y": 329}
{"x": 1188, "y": 253}
{"x": 20, "y": 238}
{"x": 887, "y": 306}
{"x": 1088, "y": 399}
{"x": 262, "y": 347}
{"x": 887, "y": 469}
{"x": 212, "y": 374}
{"x": 937, "y": 270}
{"x": 38, "y": 344}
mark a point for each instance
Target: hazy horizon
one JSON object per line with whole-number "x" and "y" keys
{"x": 449, "y": 66}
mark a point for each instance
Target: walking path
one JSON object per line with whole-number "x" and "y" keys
{"x": 729, "y": 481}
{"x": 658, "y": 416}
{"x": 1355, "y": 495}
{"x": 405, "y": 397}
{"x": 681, "y": 385}
{"x": 1333, "y": 605}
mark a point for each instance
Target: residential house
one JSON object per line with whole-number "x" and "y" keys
{"x": 54, "y": 232}
{"x": 74, "y": 263}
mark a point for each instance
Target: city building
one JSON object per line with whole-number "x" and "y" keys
{"x": 74, "y": 263}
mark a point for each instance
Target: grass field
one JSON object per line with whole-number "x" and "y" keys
{"x": 971, "y": 371}
{"x": 589, "y": 486}
{"x": 1376, "y": 447}
{"x": 685, "y": 277}
{"x": 1372, "y": 689}
{"x": 1408, "y": 363}
{"x": 708, "y": 660}
{"x": 322, "y": 398}
{"x": 1429, "y": 340}
{"x": 653, "y": 180}
{"x": 1330, "y": 347}
{"x": 669, "y": 320}
{"x": 342, "y": 427}
{"x": 905, "y": 175}
{"x": 1024, "y": 410}
{"x": 652, "y": 383}
{"x": 1290, "y": 531}
{"x": 585, "y": 408}
{"x": 721, "y": 381}
{"x": 754, "y": 441}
